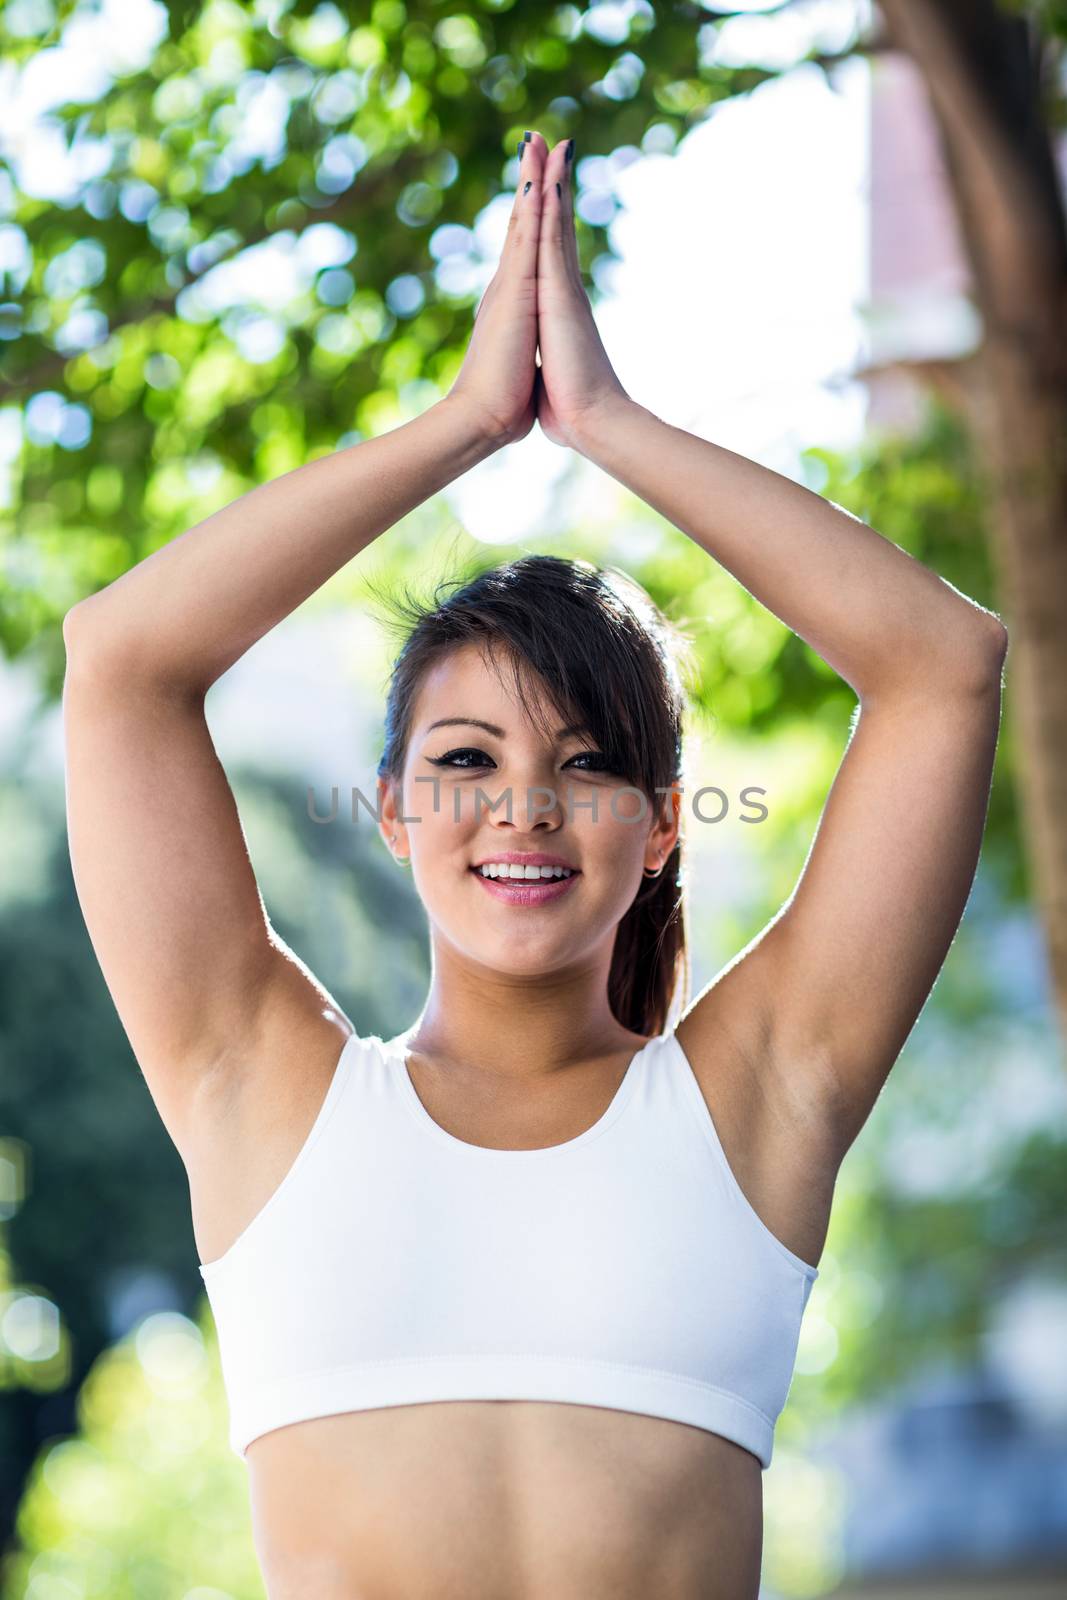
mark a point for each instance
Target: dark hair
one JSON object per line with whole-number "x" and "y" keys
{"x": 609, "y": 658}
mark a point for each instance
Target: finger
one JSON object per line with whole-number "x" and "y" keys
{"x": 531, "y": 152}
{"x": 570, "y": 238}
{"x": 524, "y": 224}
{"x": 559, "y": 243}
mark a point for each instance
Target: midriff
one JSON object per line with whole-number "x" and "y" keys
{"x": 504, "y": 1500}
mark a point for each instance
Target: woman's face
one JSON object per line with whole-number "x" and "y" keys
{"x": 563, "y": 803}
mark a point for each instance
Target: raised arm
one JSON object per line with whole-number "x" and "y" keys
{"x": 832, "y": 987}
{"x": 186, "y": 613}
{"x": 160, "y": 863}
{"x": 159, "y": 858}
{"x": 879, "y": 617}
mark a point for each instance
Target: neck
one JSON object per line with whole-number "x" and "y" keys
{"x": 518, "y": 1026}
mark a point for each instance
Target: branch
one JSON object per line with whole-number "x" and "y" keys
{"x": 360, "y": 195}
{"x": 878, "y": 45}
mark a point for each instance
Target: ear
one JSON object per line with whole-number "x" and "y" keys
{"x": 392, "y": 830}
{"x": 667, "y": 826}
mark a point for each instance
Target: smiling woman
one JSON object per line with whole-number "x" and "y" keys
{"x": 543, "y": 641}
{"x": 508, "y": 1305}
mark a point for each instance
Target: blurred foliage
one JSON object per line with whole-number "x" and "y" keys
{"x": 34, "y": 1343}
{"x": 148, "y": 1499}
{"x": 1050, "y": 17}
{"x": 151, "y": 393}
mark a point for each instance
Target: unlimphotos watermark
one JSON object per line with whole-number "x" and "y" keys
{"x": 709, "y": 803}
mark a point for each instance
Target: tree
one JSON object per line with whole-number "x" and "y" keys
{"x": 995, "y": 76}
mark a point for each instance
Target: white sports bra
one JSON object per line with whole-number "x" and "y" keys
{"x": 396, "y": 1263}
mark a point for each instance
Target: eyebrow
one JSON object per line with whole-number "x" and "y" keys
{"x": 498, "y": 733}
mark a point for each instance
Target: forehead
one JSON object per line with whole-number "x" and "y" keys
{"x": 467, "y": 682}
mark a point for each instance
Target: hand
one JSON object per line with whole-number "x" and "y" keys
{"x": 497, "y": 378}
{"x": 576, "y": 379}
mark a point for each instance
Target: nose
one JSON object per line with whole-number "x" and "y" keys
{"x": 522, "y": 808}
{"x": 526, "y": 793}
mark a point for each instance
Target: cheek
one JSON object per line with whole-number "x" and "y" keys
{"x": 619, "y": 827}
{"x": 620, "y": 823}
{"x": 626, "y": 810}
{"x": 441, "y": 848}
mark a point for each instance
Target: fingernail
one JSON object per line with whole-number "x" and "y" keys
{"x": 570, "y": 150}
{"x": 559, "y": 191}
{"x": 522, "y": 147}
{"x": 527, "y": 135}
{"x": 526, "y": 190}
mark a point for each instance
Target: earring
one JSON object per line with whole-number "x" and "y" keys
{"x": 401, "y": 861}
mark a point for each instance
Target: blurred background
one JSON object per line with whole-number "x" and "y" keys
{"x": 236, "y": 236}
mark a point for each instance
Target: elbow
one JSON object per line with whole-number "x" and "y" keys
{"x": 104, "y": 651}
{"x": 93, "y": 645}
{"x": 73, "y": 629}
{"x": 76, "y": 623}
{"x": 970, "y": 658}
{"x": 70, "y": 626}
{"x": 992, "y": 652}
{"x": 1000, "y": 636}
{"x": 81, "y": 632}
{"x": 964, "y": 662}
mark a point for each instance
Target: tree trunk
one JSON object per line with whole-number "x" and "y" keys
{"x": 983, "y": 70}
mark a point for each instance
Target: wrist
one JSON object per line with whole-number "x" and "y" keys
{"x": 480, "y": 433}
{"x": 596, "y": 427}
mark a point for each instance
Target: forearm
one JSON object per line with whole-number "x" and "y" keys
{"x": 187, "y": 612}
{"x": 880, "y": 618}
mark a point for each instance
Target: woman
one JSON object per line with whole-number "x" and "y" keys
{"x": 508, "y": 1304}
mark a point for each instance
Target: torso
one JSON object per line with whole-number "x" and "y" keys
{"x": 505, "y": 1500}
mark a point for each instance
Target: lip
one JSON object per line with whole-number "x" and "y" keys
{"x": 519, "y": 858}
{"x": 526, "y": 891}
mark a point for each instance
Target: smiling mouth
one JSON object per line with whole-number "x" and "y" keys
{"x": 515, "y": 872}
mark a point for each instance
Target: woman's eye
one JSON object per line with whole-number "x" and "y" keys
{"x": 592, "y": 755}
{"x": 451, "y": 759}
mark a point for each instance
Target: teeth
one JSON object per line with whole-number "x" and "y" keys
{"x": 505, "y": 869}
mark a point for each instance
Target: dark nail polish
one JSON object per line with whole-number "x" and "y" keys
{"x": 522, "y": 147}
{"x": 527, "y": 135}
{"x": 570, "y": 150}
{"x": 528, "y": 186}
{"x": 559, "y": 191}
